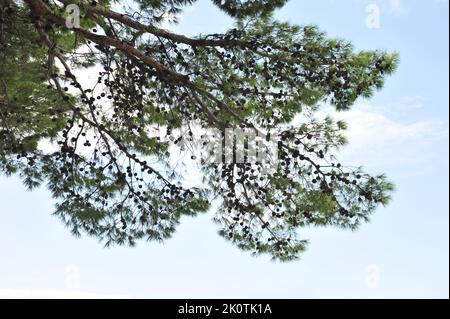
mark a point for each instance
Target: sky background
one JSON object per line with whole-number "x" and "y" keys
{"x": 402, "y": 253}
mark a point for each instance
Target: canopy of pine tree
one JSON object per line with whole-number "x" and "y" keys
{"x": 105, "y": 149}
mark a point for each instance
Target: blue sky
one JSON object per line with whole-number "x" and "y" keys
{"x": 402, "y": 253}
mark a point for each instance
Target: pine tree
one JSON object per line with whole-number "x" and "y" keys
{"x": 112, "y": 176}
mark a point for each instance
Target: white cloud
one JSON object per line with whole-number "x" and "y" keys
{"x": 376, "y": 136}
{"x": 402, "y": 105}
{"x": 377, "y": 128}
{"x": 408, "y": 103}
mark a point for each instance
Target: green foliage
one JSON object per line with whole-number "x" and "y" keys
{"x": 245, "y": 8}
{"x": 103, "y": 149}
